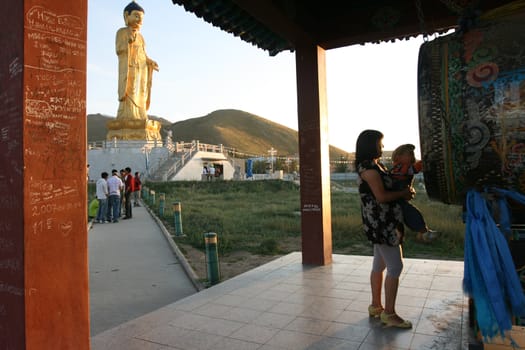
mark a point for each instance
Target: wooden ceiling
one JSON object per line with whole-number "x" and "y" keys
{"x": 280, "y": 25}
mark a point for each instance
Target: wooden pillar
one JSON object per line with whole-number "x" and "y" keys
{"x": 316, "y": 220}
{"x": 43, "y": 203}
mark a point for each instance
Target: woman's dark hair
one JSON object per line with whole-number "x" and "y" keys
{"x": 367, "y": 146}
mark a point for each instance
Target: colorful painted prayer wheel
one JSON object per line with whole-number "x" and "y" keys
{"x": 471, "y": 89}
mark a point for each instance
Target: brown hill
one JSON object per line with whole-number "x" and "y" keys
{"x": 247, "y": 133}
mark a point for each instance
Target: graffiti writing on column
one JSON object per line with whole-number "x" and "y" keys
{"x": 10, "y": 111}
{"x": 54, "y": 115}
{"x": 48, "y": 200}
{"x": 11, "y": 171}
{"x": 54, "y": 95}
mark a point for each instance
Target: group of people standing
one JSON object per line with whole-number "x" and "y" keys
{"x": 120, "y": 190}
{"x": 209, "y": 173}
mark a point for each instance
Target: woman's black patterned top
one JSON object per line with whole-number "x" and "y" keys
{"x": 383, "y": 222}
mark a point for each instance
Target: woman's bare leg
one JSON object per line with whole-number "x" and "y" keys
{"x": 376, "y": 282}
{"x": 391, "y": 285}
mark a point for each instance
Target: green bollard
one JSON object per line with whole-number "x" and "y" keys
{"x": 162, "y": 200}
{"x": 152, "y": 197}
{"x": 145, "y": 194}
{"x": 177, "y": 218}
{"x": 212, "y": 258}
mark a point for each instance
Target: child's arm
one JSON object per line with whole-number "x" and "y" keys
{"x": 400, "y": 169}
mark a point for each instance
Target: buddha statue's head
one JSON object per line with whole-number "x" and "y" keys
{"x": 133, "y": 14}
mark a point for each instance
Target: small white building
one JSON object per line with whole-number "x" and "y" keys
{"x": 162, "y": 162}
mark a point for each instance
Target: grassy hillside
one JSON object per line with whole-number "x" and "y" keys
{"x": 243, "y": 131}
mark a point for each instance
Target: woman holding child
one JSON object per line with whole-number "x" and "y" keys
{"x": 383, "y": 224}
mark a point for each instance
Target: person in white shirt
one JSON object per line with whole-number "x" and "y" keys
{"x": 115, "y": 185}
{"x": 102, "y": 196}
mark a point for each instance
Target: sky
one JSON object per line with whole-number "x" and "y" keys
{"x": 203, "y": 69}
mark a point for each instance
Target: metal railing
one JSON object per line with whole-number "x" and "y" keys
{"x": 106, "y": 144}
{"x": 176, "y": 147}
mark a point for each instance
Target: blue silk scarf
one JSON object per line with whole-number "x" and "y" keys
{"x": 490, "y": 276}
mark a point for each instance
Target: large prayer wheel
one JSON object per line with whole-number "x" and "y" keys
{"x": 471, "y": 89}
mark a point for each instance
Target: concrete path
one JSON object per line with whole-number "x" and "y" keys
{"x": 286, "y": 305}
{"x": 132, "y": 271}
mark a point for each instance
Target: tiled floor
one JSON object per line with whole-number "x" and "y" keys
{"x": 285, "y": 305}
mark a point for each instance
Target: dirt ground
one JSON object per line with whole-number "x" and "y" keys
{"x": 229, "y": 266}
{"x": 238, "y": 262}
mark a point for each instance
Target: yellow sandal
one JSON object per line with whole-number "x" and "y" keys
{"x": 375, "y": 311}
{"x": 393, "y": 320}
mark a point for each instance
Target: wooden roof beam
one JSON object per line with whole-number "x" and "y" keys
{"x": 436, "y": 26}
{"x": 269, "y": 15}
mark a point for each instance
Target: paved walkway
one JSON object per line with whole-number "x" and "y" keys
{"x": 132, "y": 271}
{"x": 284, "y": 305}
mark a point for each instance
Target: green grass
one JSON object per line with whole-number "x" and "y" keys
{"x": 263, "y": 217}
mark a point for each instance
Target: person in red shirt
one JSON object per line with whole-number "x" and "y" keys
{"x": 405, "y": 166}
{"x": 138, "y": 187}
{"x": 129, "y": 188}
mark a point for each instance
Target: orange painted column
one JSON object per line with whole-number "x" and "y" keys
{"x": 43, "y": 204}
{"x": 316, "y": 216}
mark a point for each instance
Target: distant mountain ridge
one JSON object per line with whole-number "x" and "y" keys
{"x": 246, "y": 132}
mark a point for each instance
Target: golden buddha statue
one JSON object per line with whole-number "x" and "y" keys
{"x": 134, "y": 83}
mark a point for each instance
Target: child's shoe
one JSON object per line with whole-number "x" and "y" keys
{"x": 427, "y": 237}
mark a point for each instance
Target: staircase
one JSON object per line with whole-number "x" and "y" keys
{"x": 173, "y": 164}
{"x": 166, "y": 168}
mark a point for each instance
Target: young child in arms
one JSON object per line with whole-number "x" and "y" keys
{"x": 403, "y": 170}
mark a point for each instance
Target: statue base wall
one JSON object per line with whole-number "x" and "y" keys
{"x": 148, "y": 130}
